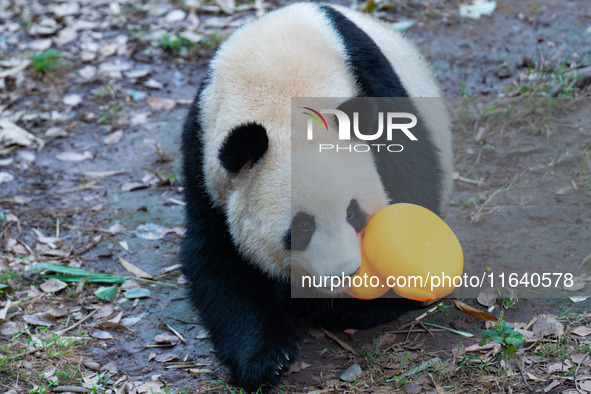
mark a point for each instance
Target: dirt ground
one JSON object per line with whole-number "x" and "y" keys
{"x": 521, "y": 203}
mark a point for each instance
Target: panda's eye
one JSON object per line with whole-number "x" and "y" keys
{"x": 305, "y": 226}
{"x": 355, "y": 216}
{"x": 350, "y": 213}
{"x": 302, "y": 229}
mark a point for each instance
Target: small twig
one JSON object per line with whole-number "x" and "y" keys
{"x": 586, "y": 259}
{"x": 531, "y": 323}
{"x": 72, "y": 389}
{"x": 61, "y": 332}
{"x": 338, "y": 340}
{"x": 137, "y": 278}
{"x": 518, "y": 362}
{"x": 426, "y": 329}
{"x": 175, "y": 332}
{"x": 505, "y": 188}
{"x": 89, "y": 185}
{"x": 185, "y": 366}
{"x": 458, "y": 177}
{"x": 421, "y": 317}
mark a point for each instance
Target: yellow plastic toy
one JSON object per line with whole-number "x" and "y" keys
{"x": 365, "y": 272}
{"x": 405, "y": 242}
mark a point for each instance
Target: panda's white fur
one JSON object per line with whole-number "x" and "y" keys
{"x": 238, "y": 212}
{"x": 291, "y": 52}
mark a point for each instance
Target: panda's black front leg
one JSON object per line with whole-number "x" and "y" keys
{"x": 239, "y": 306}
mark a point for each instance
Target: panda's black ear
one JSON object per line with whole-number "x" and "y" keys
{"x": 367, "y": 108}
{"x": 246, "y": 143}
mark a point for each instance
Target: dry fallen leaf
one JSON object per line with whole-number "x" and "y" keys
{"x": 338, "y": 340}
{"x": 582, "y": 331}
{"x": 151, "y": 231}
{"x": 386, "y": 340}
{"x": 151, "y": 387}
{"x": 11, "y": 134}
{"x": 227, "y": 6}
{"x": 475, "y": 312}
{"x": 131, "y": 320}
{"x": 548, "y": 325}
{"x": 104, "y": 310}
{"x": 99, "y": 334}
{"x": 167, "y": 339}
{"x": 53, "y": 285}
{"x": 110, "y": 325}
{"x": 166, "y": 357}
{"x": 488, "y": 297}
{"x": 40, "y": 319}
{"x": 161, "y": 104}
{"x": 134, "y": 270}
{"x": 58, "y": 312}
{"x": 557, "y": 367}
{"x": 74, "y": 156}
{"x": 110, "y": 367}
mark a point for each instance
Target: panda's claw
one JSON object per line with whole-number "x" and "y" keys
{"x": 286, "y": 355}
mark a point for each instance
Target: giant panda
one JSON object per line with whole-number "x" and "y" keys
{"x": 242, "y": 226}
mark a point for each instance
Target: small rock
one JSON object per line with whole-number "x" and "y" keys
{"x": 65, "y": 9}
{"x": 175, "y": 16}
{"x": 93, "y": 366}
{"x": 351, "y": 374}
{"x": 135, "y": 74}
{"x": 113, "y": 138}
{"x": 40, "y": 45}
{"x": 65, "y": 36}
{"x": 115, "y": 8}
{"x": 74, "y": 156}
{"x": 72, "y": 100}
{"x": 139, "y": 119}
{"x": 86, "y": 56}
{"x": 6, "y": 177}
{"x": 26, "y": 155}
{"x": 153, "y": 84}
{"x": 191, "y": 36}
{"x": 87, "y": 72}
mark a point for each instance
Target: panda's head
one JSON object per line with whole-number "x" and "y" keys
{"x": 291, "y": 210}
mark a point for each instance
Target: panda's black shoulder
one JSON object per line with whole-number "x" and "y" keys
{"x": 372, "y": 70}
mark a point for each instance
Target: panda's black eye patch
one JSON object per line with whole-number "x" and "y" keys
{"x": 300, "y": 234}
{"x": 355, "y": 216}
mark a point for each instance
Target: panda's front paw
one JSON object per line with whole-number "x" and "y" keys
{"x": 264, "y": 369}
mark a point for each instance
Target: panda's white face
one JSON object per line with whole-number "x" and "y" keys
{"x": 333, "y": 196}
{"x": 295, "y": 212}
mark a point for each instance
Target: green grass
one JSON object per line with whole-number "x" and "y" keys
{"x": 45, "y": 62}
{"x": 109, "y": 115}
{"x": 546, "y": 80}
{"x": 176, "y": 45}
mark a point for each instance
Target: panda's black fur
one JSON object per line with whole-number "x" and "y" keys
{"x": 251, "y": 317}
